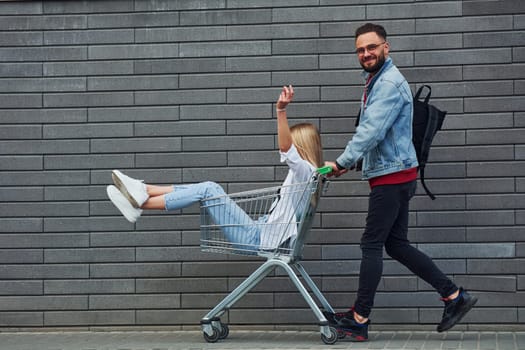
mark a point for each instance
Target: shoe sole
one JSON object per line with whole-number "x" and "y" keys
{"x": 470, "y": 305}
{"x": 342, "y": 333}
{"x": 122, "y": 210}
{"x": 122, "y": 188}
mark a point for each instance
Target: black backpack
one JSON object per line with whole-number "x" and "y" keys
{"x": 427, "y": 121}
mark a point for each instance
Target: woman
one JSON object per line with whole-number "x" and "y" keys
{"x": 299, "y": 146}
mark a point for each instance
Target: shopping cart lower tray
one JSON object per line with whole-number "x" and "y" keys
{"x": 272, "y": 223}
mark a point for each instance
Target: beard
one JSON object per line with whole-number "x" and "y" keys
{"x": 380, "y": 60}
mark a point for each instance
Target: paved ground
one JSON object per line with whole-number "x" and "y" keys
{"x": 243, "y": 339}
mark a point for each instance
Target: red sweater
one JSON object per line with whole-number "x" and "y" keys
{"x": 400, "y": 177}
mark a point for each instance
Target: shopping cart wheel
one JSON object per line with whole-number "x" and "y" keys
{"x": 224, "y": 331}
{"x": 214, "y": 337}
{"x": 332, "y": 338}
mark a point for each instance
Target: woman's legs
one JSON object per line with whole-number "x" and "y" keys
{"x": 156, "y": 197}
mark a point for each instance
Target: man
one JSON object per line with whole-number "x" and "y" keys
{"x": 383, "y": 141}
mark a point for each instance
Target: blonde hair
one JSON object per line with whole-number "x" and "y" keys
{"x": 307, "y": 140}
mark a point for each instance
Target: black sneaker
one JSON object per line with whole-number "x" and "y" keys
{"x": 456, "y": 309}
{"x": 346, "y": 325}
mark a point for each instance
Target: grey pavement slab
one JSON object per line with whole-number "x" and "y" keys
{"x": 249, "y": 339}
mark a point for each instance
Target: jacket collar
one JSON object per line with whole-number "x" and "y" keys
{"x": 386, "y": 65}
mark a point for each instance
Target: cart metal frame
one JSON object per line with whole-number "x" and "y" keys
{"x": 285, "y": 253}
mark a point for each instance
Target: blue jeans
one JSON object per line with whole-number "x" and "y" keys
{"x": 236, "y": 225}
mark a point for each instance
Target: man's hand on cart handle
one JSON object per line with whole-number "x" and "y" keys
{"x": 335, "y": 169}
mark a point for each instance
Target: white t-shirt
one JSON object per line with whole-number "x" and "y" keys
{"x": 300, "y": 171}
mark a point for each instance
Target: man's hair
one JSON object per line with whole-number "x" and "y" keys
{"x": 371, "y": 27}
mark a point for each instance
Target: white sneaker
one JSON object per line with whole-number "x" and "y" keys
{"x": 121, "y": 202}
{"x": 134, "y": 190}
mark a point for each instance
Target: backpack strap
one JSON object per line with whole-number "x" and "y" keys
{"x": 422, "y": 179}
{"x": 420, "y": 90}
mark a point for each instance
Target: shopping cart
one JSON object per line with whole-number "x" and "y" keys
{"x": 272, "y": 223}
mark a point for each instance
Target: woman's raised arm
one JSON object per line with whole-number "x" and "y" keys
{"x": 283, "y": 130}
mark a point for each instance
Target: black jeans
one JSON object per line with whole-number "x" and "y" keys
{"x": 387, "y": 226}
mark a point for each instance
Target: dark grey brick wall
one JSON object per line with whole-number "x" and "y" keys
{"x": 182, "y": 91}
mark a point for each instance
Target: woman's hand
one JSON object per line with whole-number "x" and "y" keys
{"x": 285, "y": 97}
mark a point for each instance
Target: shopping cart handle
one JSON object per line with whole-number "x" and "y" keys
{"x": 327, "y": 169}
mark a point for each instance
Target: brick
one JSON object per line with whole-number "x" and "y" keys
{"x": 228, "y": 80}
{"x": 180, "y": 128}
{"x": 251, "y": 300}
{"x": 427, "y": 42}
{"x": 91, "y": 286}
{"x": 316, "y": 78}
{"x": 229, "y": 174}
{"x": 43, "y": 271}
{"x": 21, "y": 319}
{"x": 272, "y": 31}
{"x": 268, "y": 3}
{"x": 182, "y": 34}
{"x": 479, "y": 121}
{"x": 20, "y": 70}
{"x": 193, "y": 159}
{"x": 465, "y": 56}
{"x": 21, "y": 194}
{"x": 491, "y": 7}
{"x": 96, "y": 52}
{"x": 21, "y": 22}
{"x": 471, "y": 218}
{"x": 113, "y": 239}
{"x": 40, "y": 240}
{"x": 472, "y": 88}
{"x": 227, "y": 143}
{"x": 228, "y": 49}
{"x": 139, "y": 270}
{"x": 135, "y": 113}
{"x": 21, "y": 38}
{"x": 463, "y": 24}
{"x": 247, "y": 95}
{"x": 140, "y": 19}
{"x": 132, "y": 83}
{"x": 348, "y": 28}
{"x": 180, "y": 97}
{"x": 322, "y": 14}
{"x": 10, "y": 225}
{"x": 494, "y": 71}
{"x": 87, "y": 131}
{"x": 87, "y": 7}
{"x": 21, "y": 132}
{"x": 58, "y": 225}
{"x": 496, "y": 169}
{"x": 87, "y": 68}
{"x": 15, "y": 256}
{"x": 124, "y": 302}
{"x": 91, "y": 255}
{"x": 21, "y": 287}
{"x": 215, "y": 17}
{"x": 131, "y": 145}
{"x": 42, "y": 85}
{"x": 88, "y": 99}
{"x": 83, "y": 318}
{"x": 432, "y": 74}
{"x": 240, "y": 111}
{"x": 167, "y": 5}
{"x": 181, "y": 285}
{"x": 43, "y": 53}
{"x": 311, "y": 46}
{"x": 21, "y": 100}
{"x": 473, "y": 153}
{"x": 180, "y": 65}
{"x": 88, "y": 37}
{"x": 32, "y": 303}
{"x": 88, "y": 161}
{"x": 469, "y": 250}
{"x": 416, "y": 10}
{"x": 503, "y": 201}
{"x": 44, "y": 209}
{"x": 499, "y": 136}
{"x": 44, "y": 178}
{"x": 514, "y": 38}
{"x": 272, "y": 63}
{"x": 494, "y": 234}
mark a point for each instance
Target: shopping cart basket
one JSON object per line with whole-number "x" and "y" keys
{"x": 272, "y": 223}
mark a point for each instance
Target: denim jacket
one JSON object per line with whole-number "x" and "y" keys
{"x": 383, "y": 138}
